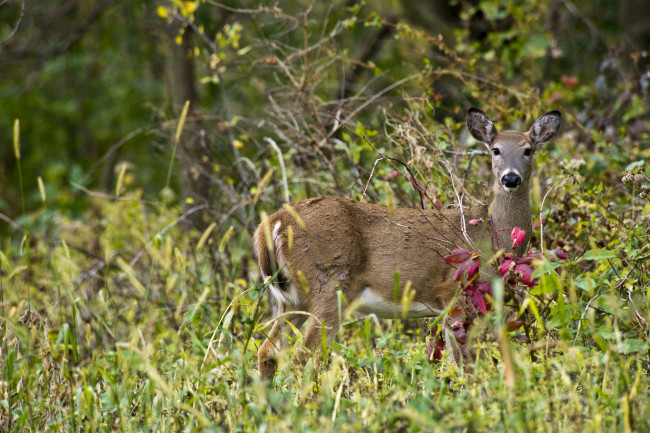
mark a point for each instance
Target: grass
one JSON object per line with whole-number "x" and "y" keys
{"x": 124, "y": 320}
{"x": 92, "y": 352}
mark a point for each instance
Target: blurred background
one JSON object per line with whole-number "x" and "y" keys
{"x": 98, "y": 86}
{"x": 141, "y": 140}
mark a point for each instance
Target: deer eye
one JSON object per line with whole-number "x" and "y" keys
{"x": 527, "y": 151}
{"x": 496, "y": 151}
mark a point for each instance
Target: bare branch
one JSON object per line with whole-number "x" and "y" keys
{"x": 20, "y": 20}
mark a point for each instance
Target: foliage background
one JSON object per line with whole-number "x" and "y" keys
{"x": 130, "y": 299}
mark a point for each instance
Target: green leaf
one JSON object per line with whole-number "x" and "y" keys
{"x": 545, "y": 267}
{"x": 548, "y": 283}
{"x": 599, "y": 254}
{"x": 631, "y": 166}
{"x": 631, "y": 345}
{"x": 244, "y": 50}
{"x": 355, "y": 152}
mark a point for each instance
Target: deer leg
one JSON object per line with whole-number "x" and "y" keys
{"x": 266, "y": 360}
{"x": 266, "y": 354}
{"x": 328, "y": 319}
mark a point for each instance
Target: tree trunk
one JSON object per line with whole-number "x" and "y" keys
{"x": 182, "y": 88}
{"x": 634, "y": 21}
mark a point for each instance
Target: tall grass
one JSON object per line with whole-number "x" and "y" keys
{"x": 98, "y": 354}
{"x": 125, "y": 320}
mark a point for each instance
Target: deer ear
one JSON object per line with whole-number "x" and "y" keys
{"x": 481, "y": 126}
{"x": 545, "y": 128}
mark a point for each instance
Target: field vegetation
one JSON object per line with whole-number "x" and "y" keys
{"x": 141, "y": 141}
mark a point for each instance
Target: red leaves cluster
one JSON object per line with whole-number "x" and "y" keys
{"x": 467, "y": 265}
{"x": 458, "y": 329}
{"x": 467, "y": 271}
{"x": 520, "y": 266}
{"x": 476, "y": 292}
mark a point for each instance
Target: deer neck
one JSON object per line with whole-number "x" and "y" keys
{"x": 509, "y": 210}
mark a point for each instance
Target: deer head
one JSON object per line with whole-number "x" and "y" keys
{"x": 512, "y": 162}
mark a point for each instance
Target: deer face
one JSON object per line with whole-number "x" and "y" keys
{"x": 512, "y": 154}
{"x": 512, "y": 151}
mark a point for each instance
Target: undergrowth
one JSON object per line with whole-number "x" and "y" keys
{"x": 127, "y": 317}
{"x": 128, "y": 321}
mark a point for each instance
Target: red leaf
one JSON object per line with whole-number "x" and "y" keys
{"x": 392, "y": 175}
{"x": 458, "y": 331}
{"x": 458, "y": 255}
{"x": 458, "y": 275}
{"x": 473, "y": 222}
{"x": 524, "y": 260}
{"x": 517, "y": 236}
{"x": 512, "y": 324}
{"x": 569, "y": 81}
{"x": 506, "y": 266}
{"x": 526, "y": 273}
{"x": 434, "y": 348}
{"x": 559, "y": 253}
{"x": 484, "y": 287}
{"x": 456, "y": 311}
{"x": 534, "y": 254}
{"x": 477, "y": 299}
{"x": 469, "y": 267}
{"x": 472, "y": 267}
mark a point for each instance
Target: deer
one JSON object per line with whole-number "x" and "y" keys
{"x": 309, "y": 250}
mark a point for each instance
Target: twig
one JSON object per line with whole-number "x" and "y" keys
{"x": 113, "y": 148}
{"x": 377, "y": 95}
{"x": 282, "y": 168}
{"x": 472, "y": 154}
{"x": 372, "y": 172}
{"x": 582, "y": 316}
{"x": 636, "y": 310}
{"x": 463, "y": 225}
{"x": 110, "y": 196}
{"x": 414, "y": 183}
{"x": 541, "y": 208}
{"x": 20, "y": 20}
{"x": 260, "y": 9}
{"x": 168, "y": 227}
{"x": 335, "y": 32}
{"x": 593, "y": 30}
{"x": 13, "y": 223}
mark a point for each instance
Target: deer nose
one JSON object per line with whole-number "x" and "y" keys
{"x": 511, "y": 180}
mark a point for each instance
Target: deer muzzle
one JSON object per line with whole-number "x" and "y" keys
{"x": 511, "y": 180}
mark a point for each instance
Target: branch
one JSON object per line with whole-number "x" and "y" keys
{"x": 414, "y": 183}
{"x": 20, "y": 20}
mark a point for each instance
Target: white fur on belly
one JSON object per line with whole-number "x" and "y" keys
{"x": 371, "y": 302}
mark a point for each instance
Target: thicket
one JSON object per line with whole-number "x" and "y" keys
{"x": 129, "y": 295}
